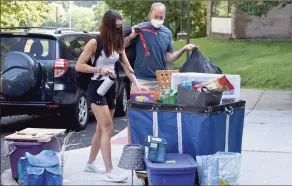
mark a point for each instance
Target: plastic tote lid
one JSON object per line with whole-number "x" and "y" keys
{"x": 174, "y": 161}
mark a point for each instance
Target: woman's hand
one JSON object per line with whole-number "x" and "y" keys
{"x": 141, "y": 88}
{"x": 104, "y": 71}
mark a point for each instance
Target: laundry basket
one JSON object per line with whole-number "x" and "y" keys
{"x": 164, "y": 78}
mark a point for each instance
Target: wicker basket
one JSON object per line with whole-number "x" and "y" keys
{"x": 199, "y": 99}
{"x": 164, "y": 78}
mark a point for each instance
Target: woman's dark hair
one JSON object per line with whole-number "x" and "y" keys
{"x": 111, "y": 34}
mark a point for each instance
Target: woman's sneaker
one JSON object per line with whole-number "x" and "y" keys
{"x": 93, "y": 168}
{"x": 113, "y": 176}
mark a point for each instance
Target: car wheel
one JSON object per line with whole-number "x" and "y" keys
{"x": 80, "y": 113}
{"x": 121, "y": 102}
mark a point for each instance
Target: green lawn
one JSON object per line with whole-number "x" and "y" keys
{"x": 261, "y": 64}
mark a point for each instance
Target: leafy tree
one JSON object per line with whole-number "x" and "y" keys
{"x": 259, "y": 8}
{"x": 66, "y": 5}
{"x": 100, "y": 9}
{"x": 15, "y": 13}
{"x": 138, "y": 11}
{"x": 86, "y": 4}
{"x": 57, "y": 18}
{"x": 81, "y": 21}
{"x": 61, "y": 17}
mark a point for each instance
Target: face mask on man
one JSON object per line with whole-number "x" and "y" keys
{"x": 157, "y": 23}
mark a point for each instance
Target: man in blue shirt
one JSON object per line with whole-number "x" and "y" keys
{"x": 154, "y": 47}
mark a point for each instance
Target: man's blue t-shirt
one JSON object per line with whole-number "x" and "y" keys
{"x": 157, "y": 45}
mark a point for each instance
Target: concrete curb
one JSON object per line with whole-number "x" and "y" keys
{"x": 6, "y": 178}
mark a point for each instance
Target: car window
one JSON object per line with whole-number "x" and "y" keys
{"x": 39, "y": 48}
{"x": 82, "y": 41}
{"x": 73, "y": 46}
{"x": 43, "y": 43}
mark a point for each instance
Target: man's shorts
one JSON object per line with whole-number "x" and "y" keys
{"x": 151, "y": 85}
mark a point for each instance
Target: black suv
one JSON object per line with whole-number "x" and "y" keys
{"x": 38, "y": 74}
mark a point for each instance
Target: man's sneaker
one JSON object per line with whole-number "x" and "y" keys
{"x": 92, "y": 168}
{"x": 112, "y": 176}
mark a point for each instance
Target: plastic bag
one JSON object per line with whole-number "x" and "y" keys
{"x": 200, "y": 64}
{"x": 222, "y": 168}
{"x": 168, "y": 96}
{"x": 41, "y": 169}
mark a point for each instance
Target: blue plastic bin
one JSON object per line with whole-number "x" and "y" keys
{"x": 178, "y": 169}
{"x": 33, "y": 148}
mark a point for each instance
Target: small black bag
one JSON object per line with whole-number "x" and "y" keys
{"x": 83, "y": 79}
{"x": 200, "y": 64}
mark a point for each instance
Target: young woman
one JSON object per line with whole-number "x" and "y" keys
{"x": 111, "y": 35}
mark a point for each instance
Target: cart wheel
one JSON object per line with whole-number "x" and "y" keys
{"x": 143, "y": 177}
{"x": 145, "y": 183}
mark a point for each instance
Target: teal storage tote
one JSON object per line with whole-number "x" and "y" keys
{"x": 155, "y": 149}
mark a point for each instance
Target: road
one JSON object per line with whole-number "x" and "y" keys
{"x": 11, "y": 124}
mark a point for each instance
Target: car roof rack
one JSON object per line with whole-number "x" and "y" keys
{"x": 58, "y": 30}
{"x": 25, "y": 28}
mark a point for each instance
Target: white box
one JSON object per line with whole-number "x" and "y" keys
{"x": 178, "y": 78}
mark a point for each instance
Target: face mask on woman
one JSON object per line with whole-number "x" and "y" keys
{"x": 157, "y": 23}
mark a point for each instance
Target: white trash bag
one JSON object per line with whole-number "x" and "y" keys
{"x": 222, "y": 168}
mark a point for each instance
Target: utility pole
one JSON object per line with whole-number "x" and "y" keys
{"x": 57, "y": 16}
{"x": 188, "y": 24}
{"x": 70, "y": 14}
{"x": 182, "y": 16}
{"x": 131, "y": 18}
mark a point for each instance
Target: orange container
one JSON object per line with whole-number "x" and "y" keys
{"x": 164, "y": 78}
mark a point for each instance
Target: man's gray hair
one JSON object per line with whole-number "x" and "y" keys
{"x": 157, "y": 4}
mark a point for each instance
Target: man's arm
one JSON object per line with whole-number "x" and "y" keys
{"x": 128, "y": 39}
{"x": 173, "y": 56}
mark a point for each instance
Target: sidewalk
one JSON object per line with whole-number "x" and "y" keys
{"x": 74, "y": 166}
{"x": 267, "y": 145}
{"x": 267, "y": 139}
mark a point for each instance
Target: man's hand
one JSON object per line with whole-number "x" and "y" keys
{"x": 171, "y": 57}
{"x": 189, "y": 47}
{"x": 127, "y": 40}
{"x": 134, "y": 33}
